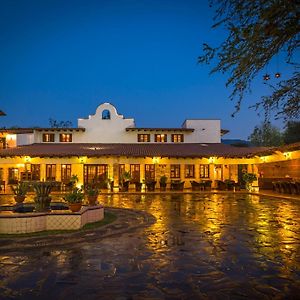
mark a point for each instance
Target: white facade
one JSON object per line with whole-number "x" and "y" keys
{"x": 205, "y": 131}
{"x": 25, "y": 139}
{"x": 107, "y": 126}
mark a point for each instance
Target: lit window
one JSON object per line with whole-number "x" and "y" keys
{"x": 160, "y": 138}
{"x": 175, "y": 171}
{"x": 204, "y": 171}
{"x": 143, "y": 138}
{"x": 65, "y": 137}
{"x": 177, "y": 138}
{"x": 48, "y": 137}
{"x": 65, "y": 173}
{"x": 135, "y": 172}
{"x": 50, "y": 172}
{"x": 189, "y": 171}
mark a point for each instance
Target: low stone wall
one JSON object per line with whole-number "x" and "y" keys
{"x": 12, "y": 223}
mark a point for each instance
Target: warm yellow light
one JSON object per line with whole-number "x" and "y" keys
{"x": 287, "y": 155}
{"x": 11, "y": 137}
{"x": 27, "y": 159}
{"x": 263, "y": 158}
{"x": 20, "y": 165}
{"x": 82, "y": 159}
{"x": 155, "y": 160}
{"x": 211, "y": 160}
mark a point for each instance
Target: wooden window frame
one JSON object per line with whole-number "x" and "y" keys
{"x": 65, "y": 172}
{"x": 50, "y": 139}
{"x": 158, "y": 138}
{"x": 177, "y": 137}
{"x": 189, "y": 171}
{"x": 135, "y": 169}
{"x": 141, "y": 138}
{"x": 204, "y": 171}
{"x": 149, "y": 172}
{"x": 51, "y": 167}
{"x": 65, "y": 137}
{"x": 175, "y": 171}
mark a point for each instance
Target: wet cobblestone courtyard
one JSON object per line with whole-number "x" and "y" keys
{"x": 225, "y": 246}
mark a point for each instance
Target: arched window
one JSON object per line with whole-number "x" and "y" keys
{"x": 106, "y": 114}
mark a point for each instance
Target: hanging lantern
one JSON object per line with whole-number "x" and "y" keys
{"x": 277, "y": 75}
{"x": 267, "y": 77}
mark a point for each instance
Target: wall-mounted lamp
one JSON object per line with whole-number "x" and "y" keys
{"x": 27, "y": 159}
{"x": 155, "y": 160}
{"x": 211, "y": 160}
{"x": 82, "y": 159}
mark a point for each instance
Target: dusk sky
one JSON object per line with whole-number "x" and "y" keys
{"x": 61, "y": 59}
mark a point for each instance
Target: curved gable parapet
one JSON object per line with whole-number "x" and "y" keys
{"x": 102, "y": 110}
{"x": 105, "y": 126}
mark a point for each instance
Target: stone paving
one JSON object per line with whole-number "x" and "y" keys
{"x": 197, "y": 246}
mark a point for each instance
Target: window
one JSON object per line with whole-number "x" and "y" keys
{"x": 175, "y": 171}
{"x": 177, "y": 138}
{"x": 143, "y": 138}
{"x": 189, "y": 171}
{"x": 96, "y": 174}
{"x": 48, "y": 137}
{"x": 160, "y": 138}
{"x": 106, "y": 114}
{"x": 35, "y": 171}
{"x": 50, "y": 172}
{"x": 13, "y": 175}
{"x": 65, "y": 173}
{"x": 149, "y": 172}
{"x": 204, "y": 171}
{"x": 135, "y": 172}
{"x": 65, "y": 137}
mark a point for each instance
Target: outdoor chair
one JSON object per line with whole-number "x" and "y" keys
{"x": 221, "y": 185}
{"x": 196, "y": 186}
{"x": 207, "y": 184}
{"x": 150, "y": 185}
{"x": 177, "y": 185}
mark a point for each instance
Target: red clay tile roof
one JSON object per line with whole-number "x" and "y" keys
{"x": 133, "y": 150}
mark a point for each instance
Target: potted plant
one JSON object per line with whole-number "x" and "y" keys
{"x": 249, "y": 178}
{"x": 92, "y": 193}
{"x": 126, "y": 177}
{"x": 74, "y": 199}
{"x": 138, "y": 186}
{"x": 150, "y": 184}
{"x": 163, "y": 182}
{"x": 20, "y": 190}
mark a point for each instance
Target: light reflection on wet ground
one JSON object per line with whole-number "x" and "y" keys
{"x": 201, "y": 246}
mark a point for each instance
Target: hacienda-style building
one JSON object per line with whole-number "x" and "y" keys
{"x": 106, "y": 144}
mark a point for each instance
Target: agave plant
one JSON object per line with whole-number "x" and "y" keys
{"x": 42, "y": 199}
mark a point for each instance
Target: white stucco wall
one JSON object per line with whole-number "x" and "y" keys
{"x": 113, "y": 130}
{"x": 24, "y": 139}
{"x": 206, "y": 131}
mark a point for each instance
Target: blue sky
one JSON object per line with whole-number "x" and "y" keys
{"x": 61, "y": 59}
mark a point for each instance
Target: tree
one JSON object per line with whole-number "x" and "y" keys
{"x": 257, "y": 31}
{"x": 59, "y": 124}
{"x": 266, "y": 135}
{"x": 292, "y": 132}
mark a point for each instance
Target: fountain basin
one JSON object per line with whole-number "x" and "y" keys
{"x": 14, "y": 223}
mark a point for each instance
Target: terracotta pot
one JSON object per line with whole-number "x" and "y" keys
{"x": 75, "y": 207}
{"x": 19, "y": 199}
{"x": 92, "y": 200}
